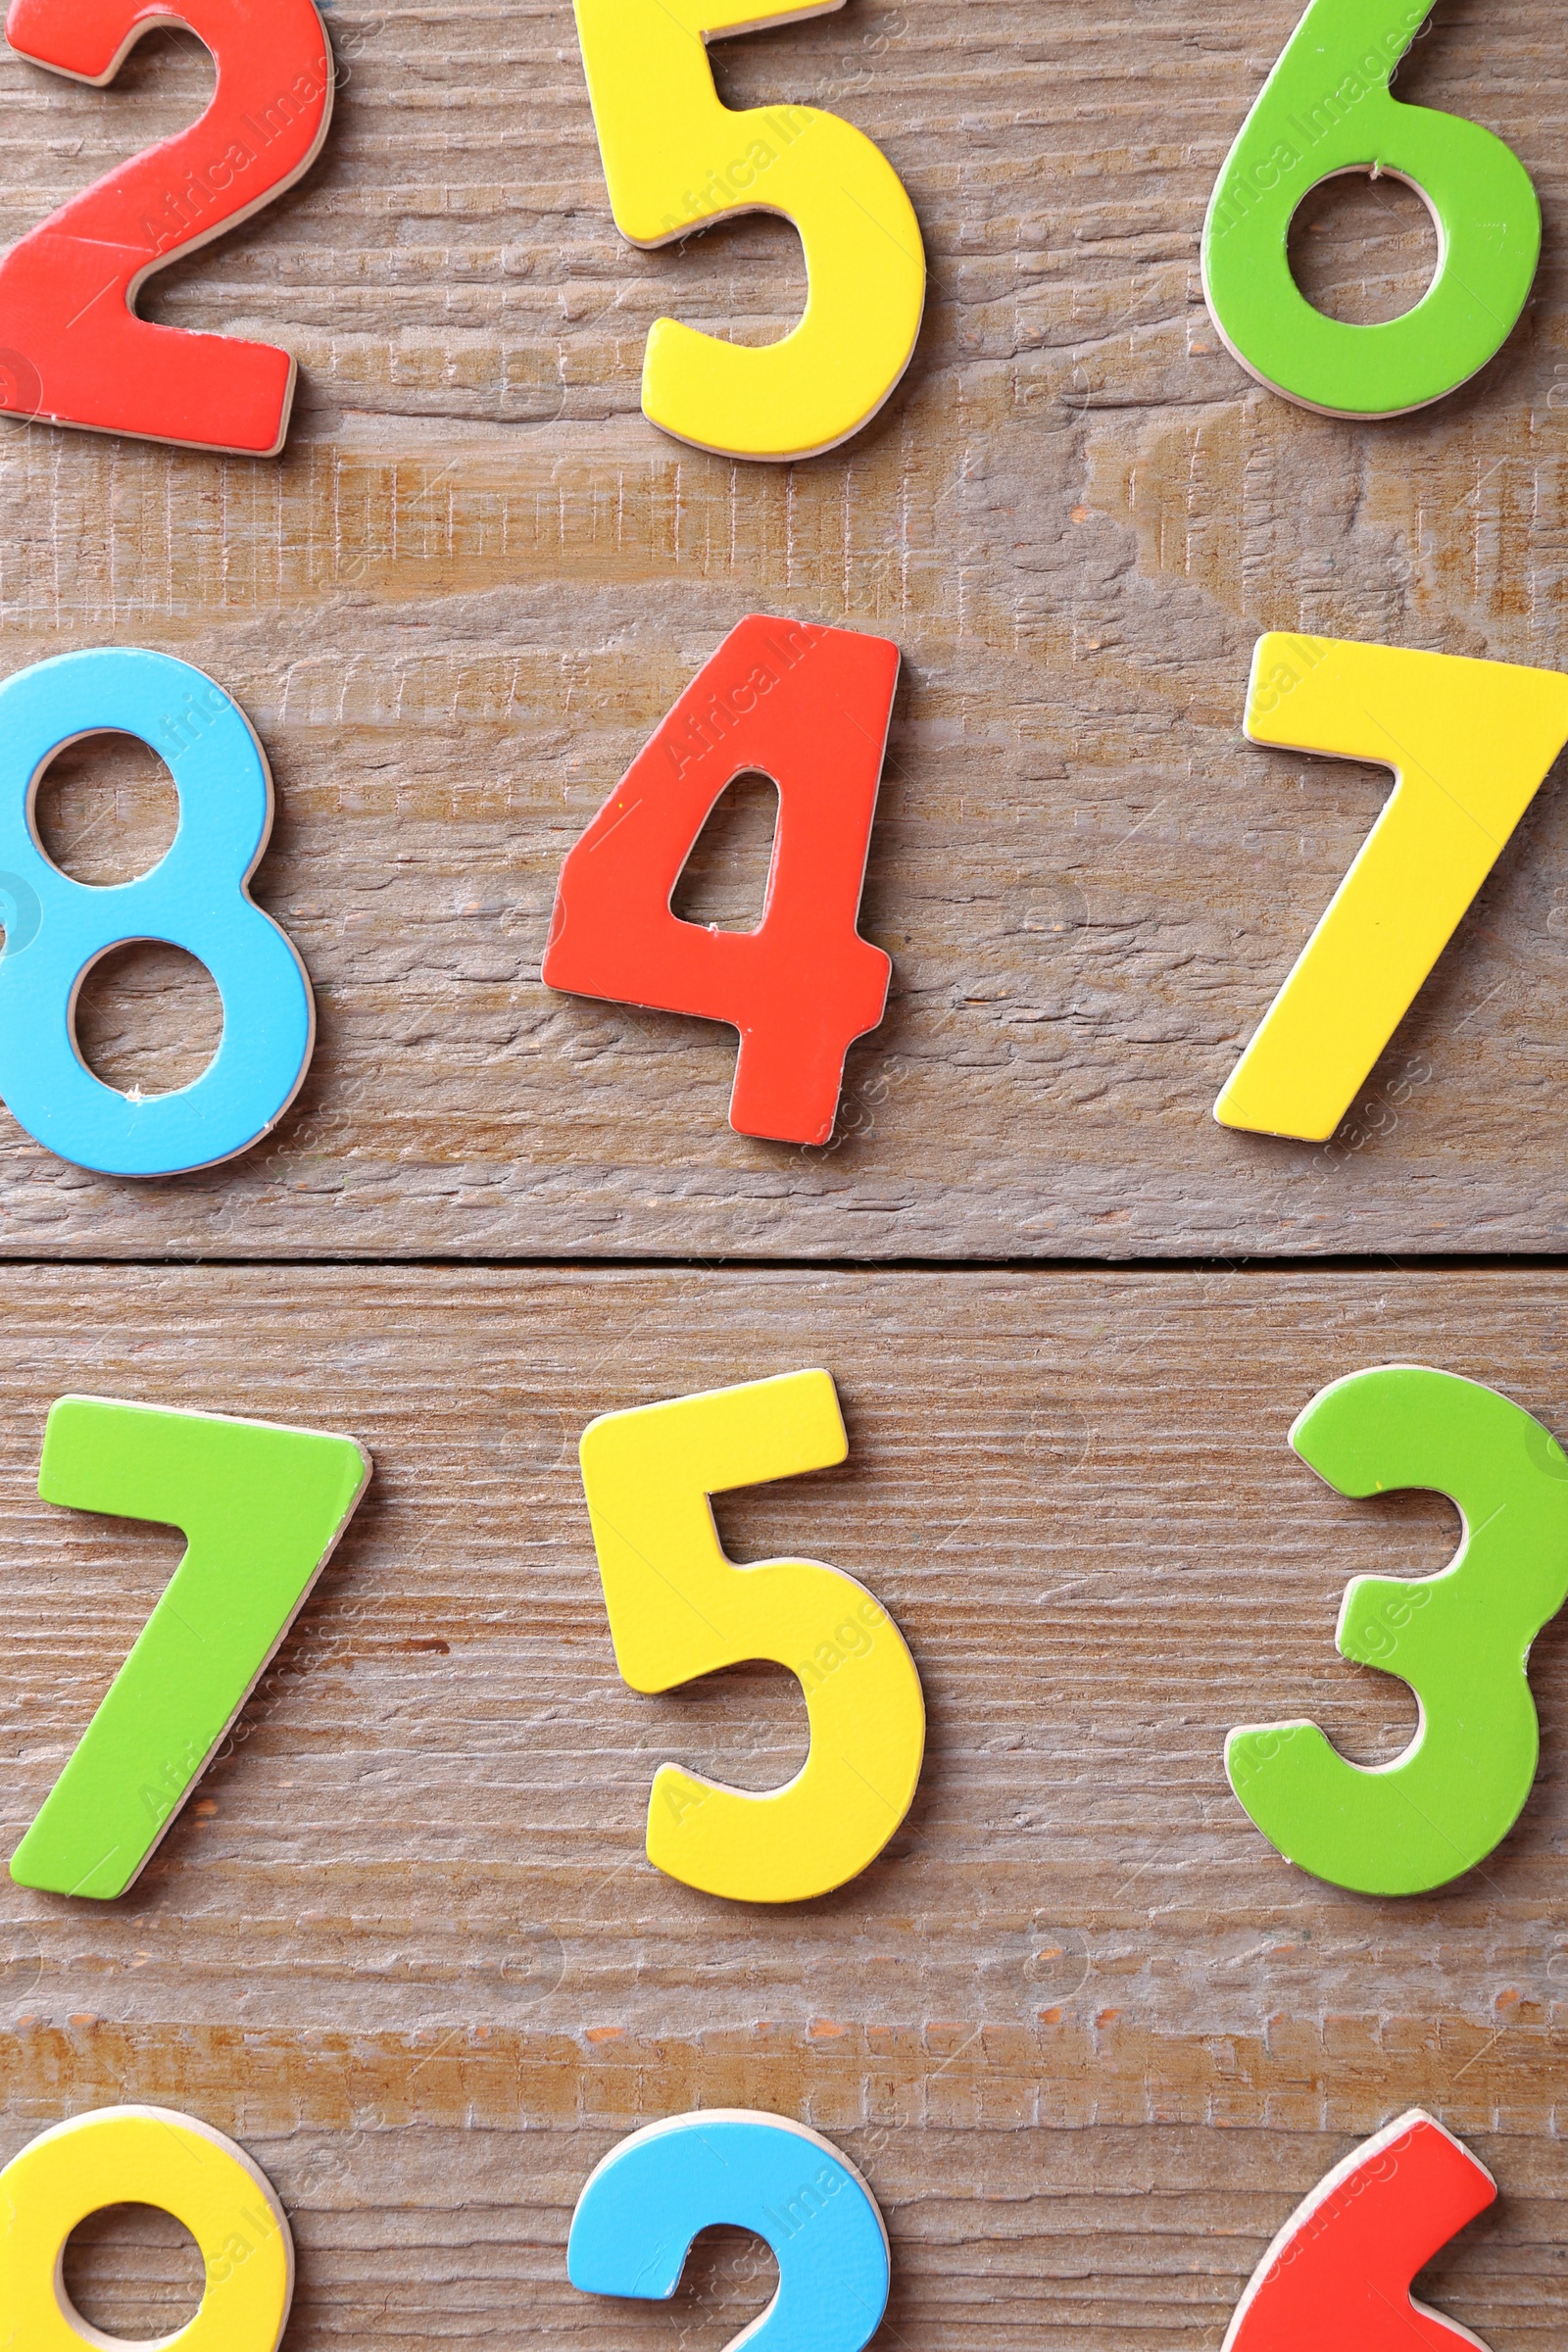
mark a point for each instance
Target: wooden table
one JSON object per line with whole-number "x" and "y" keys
{"x": 1086, "y": 2035}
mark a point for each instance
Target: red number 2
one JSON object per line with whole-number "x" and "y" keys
{"x": 77, "y": 353}
{"x": 810, "y": 707}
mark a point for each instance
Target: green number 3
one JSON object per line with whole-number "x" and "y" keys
{"x": 1461, "y": 1640}
{"x": 1327, "y": 109}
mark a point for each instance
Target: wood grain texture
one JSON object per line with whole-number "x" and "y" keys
{"x": 1089, "y": 2037}
{"x": 477, "y": 578}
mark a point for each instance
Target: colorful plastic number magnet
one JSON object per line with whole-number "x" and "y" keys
{"x": 1470, "y": 743}
{"x": 262, "y": 1509}
{"x": 1460, "y": 1640}
{"x": 640, "y": 2209}
{"x": 679, "y": 1609}
{"x": 77, "y": 354}
{"x": 143, "y": 2156}
{"x": 808, "y": 706}
{"x": 1339, "y": 2273}
{"x": 676, "y": 158}
{"x": 1327, "y": 109}
{"x": 195, "y": 898}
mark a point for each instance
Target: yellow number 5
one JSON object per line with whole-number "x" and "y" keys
{"x": 675, "y": 156}
{"x": 1470, "y": 743}
{"x": 679, "y": 1609}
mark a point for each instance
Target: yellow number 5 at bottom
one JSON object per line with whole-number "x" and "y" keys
{"x": 1470, "y": 743}
{"x": 679, "y": 1609}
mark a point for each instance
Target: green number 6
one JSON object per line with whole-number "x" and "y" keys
{"x": 1461, "y": 1640}
{"x": 1327, "y": 109}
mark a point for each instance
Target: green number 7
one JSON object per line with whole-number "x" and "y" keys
{"x": 262, "y": 1509}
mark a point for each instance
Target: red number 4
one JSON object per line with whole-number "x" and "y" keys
{"x": 77, "y": 354}
{"x": 810, "y": 707}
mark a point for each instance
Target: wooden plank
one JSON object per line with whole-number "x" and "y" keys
{"x": 477, "y": 579}
{"x": 1086, "y": 2035}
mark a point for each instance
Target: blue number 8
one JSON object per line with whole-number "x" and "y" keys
{"x": 194, "y": 898}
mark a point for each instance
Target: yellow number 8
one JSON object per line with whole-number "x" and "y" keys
{"x": 675, "y": 156}
{"x": 143, "y": 2156}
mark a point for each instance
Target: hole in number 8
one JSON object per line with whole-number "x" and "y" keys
{"x": 194, "y": 898}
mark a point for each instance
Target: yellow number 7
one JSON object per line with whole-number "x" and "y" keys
{"x": 679, "y": 1609}
{"x": 1470, "y": 743}
{"x": 675, "y": 156}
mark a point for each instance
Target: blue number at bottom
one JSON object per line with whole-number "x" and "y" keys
{"x": 194, "y": 898}
{"x": 642, "y": 2207}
